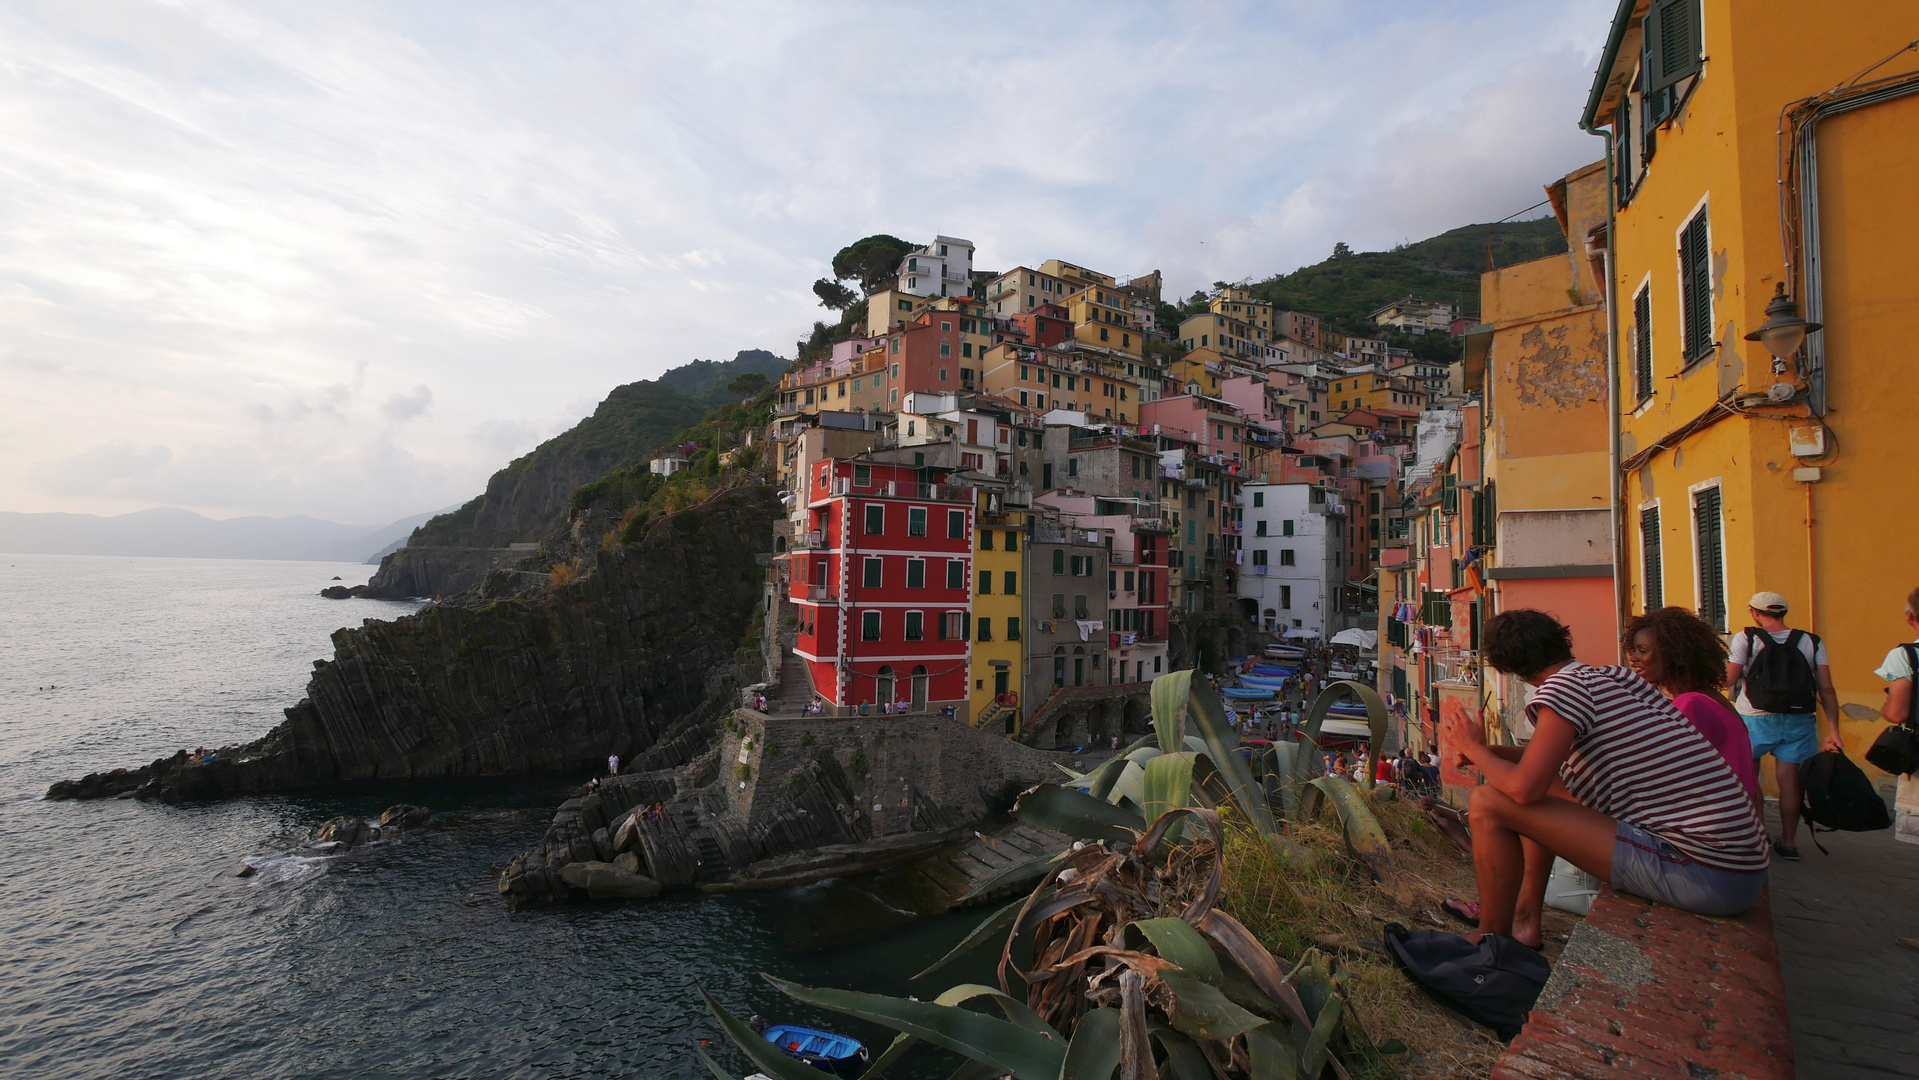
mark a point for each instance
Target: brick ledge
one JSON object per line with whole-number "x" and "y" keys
{"x": 1646, "y": 990}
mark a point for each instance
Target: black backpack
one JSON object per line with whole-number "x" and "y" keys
{"x": 1493, "y": 983}
{"x": 1777, "y": 677}
{"x": 1839, "y": 797}
{"x": 1896, "y": 750}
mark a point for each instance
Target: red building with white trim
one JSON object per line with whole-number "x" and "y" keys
{"x": 883, "y": 584}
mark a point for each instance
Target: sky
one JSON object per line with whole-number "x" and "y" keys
{"x": 347, "y": 259}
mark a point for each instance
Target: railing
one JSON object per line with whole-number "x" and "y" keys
{"x": 1152, "y": 525}
{"x": 903, "y": 490}
{"x": 1121, "y": 557}
{"x": 812, "y": 539}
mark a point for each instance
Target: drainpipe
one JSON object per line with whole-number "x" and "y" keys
{"x": 1616, "y": 489}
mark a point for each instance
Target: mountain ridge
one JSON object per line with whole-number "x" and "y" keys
{"x": 171, "y": 532}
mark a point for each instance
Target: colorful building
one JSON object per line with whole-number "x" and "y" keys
{"x": 1000, "y": 582}
{"x": 882, "y": 584}
{"x": 1738, "y": 130}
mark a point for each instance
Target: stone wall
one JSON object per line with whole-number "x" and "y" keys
{"x": 913, "y": 772}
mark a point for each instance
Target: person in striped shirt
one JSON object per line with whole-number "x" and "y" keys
{"x": 1615, "y": 781}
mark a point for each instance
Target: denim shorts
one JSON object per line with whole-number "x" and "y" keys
{"x": 1644, "y": 865}
{"x": 1791, "y": 738}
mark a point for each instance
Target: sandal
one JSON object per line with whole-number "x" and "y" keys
{"x": 1465, "y": 911}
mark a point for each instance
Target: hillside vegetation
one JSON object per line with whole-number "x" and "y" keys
{"x": 530, "y": 496}
{"x": 1349, "y": 286}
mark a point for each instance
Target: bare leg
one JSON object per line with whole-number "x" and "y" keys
{"x": 1501, "y": 827}
{"x": 1759, "y": 797}
{"x": 1791, "y": 794}
{"x": 1530, "y": 910}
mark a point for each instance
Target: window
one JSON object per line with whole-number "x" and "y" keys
{"x": 916, "y": 573}
{"x": 955, "y": 524}
{"x": 1072, "y": 466}
{"x": 945, "y": 351}
{"x": 1009, "y": 582}
{"x": 862, "y": 476}
{"x": 1259, "y": 527}
{"x": 1650, "y": 561}
{"x": 1012, "y": 538}
{"x": 869, "y": 626}
{"x": 1259, "y": 498}
{"x": 986, "y": 539}
{"x": 1012, "y": 628}
{"x": 916, "y": 521}
{"x": 985, "y": 582}
{"x": 1286, "y": 597}
{"x": 1642, "y": 341}
{"x": 1259, "y": 556}
{"x": 875, "y": 519}
{"x": 1671, "y": 30}
{"x": 953, "y": 626}
{"x": 1079, "y": 606}
{"x": 1286, "y": 527}
{"x": 1059, "y": 561}
{"x": 915, "y": 626}
{"x": 1286, "y": 557}
{"x": 1709, "y": 529}
{"x": 871, "y": 573}
{"x": 1059, "y": 605}
{"x": 1695, "y": 286}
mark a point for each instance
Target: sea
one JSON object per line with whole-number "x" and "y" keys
{"x": 132, "y": 950}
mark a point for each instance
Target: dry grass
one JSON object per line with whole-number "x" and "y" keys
{"x": 1324, "y": 898}
{"x": 562, "y": 574}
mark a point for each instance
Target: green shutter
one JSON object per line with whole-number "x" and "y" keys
{"x": 1672, "y": 36}
{"x": 1695, "y": 279}
{"x": 1710, "y": 527}
{"x": 1642, "y": 342}
{"x": 1651, "y": 562}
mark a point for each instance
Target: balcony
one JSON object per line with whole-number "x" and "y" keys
{"x": 810, "y": 540}
{"x": 903, "y": 490}
{"x": 1152, "y": 525}
{"x": 787, "y": 408}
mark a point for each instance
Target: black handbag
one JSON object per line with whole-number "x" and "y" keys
{"x": 1896, "y": 750}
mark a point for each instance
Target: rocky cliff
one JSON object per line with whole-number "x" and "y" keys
{"x": 620, "y": 661}
{"x": 528, "y": 499}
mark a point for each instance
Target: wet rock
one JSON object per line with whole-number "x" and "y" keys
{"x": 602, "y": 845}
{"x": 628, "y": 862}
{"x": 345, "y": 831}
{"x": 404, "y": 815}
{"x": 605, "y": 881}
{"x": 337, "y": 592}
{"x": 592, "y": 812}
{"x": 627, "y": 836}
{"x": 243, "y": 870}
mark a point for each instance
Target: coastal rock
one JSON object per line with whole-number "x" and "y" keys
{"x": 628, "y": 862}
{"x": 605, "y": 881}
{"x": 622, "y": 660}
{"x": 404, "y": 815}
{"x": 592, "y": 813}
{"x": 337, "y": 592}
{"x": 628, "y": 833}
{"x": 345, "y": 830}
{"x": 602, "y": 845}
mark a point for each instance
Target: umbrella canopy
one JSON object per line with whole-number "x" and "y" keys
{"x": 1365, "y": 639}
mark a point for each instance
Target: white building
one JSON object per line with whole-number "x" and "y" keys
{"x": 1293, "y": 536}
{"x": 941, "y": 268}
{"x": 668, "y": 465}
{"x": 1418, "y": 315}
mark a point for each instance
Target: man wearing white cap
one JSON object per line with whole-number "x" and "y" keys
{"x": 1780, "y": 673}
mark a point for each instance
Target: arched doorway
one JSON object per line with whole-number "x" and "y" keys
{"x": 1249, "y": 609}
{"x": 1099, "y": 723}
{"x": 919, "y": 687}
{"x": 883, "y": 691}
{"x": 1063, "y": 730}
{"x": 1267, "y": 622}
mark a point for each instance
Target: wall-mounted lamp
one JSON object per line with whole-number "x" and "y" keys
{"x": 1783, "y": 331}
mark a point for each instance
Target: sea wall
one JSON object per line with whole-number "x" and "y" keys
{"x": 628, "y": 659}
{"x": 780, "y": 799}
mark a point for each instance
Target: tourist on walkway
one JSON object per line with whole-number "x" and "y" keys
{"x": 1682, "y": 655}
{"x": 613, "y": 764}
{"x": 1615, "y": 781}
{"x": 1777, "y": 690}
{"x": 1898, "y": 671}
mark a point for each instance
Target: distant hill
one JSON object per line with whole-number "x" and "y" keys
{"x": 169, "y": 532}
{"x": 1348, "y": 288}
{"x": 529, "y": 496}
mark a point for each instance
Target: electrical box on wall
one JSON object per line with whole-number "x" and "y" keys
{"x": 1808, "y": 441}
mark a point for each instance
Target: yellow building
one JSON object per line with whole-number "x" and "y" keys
{"x": 999, "y": 590}
{"x": 1201, "y": 366}
{"x": 1738, "y": 127}
{"x": 1103, "y": 318}
{"x": 1371, "y": 390}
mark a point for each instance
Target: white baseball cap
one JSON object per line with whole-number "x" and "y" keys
{"x": 1769, "y": 602}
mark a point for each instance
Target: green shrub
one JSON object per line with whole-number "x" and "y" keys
{"x": 859, "y": 765}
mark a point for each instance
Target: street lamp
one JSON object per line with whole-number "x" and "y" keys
{"x": 1783, "y": 331}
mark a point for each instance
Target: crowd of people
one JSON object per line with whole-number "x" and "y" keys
{"x": 1647, "y": 776}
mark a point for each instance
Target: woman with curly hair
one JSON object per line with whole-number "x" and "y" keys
{"x": 1682, "y": 655}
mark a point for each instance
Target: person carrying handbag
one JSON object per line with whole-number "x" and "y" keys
{"x": 1898, "y": 745}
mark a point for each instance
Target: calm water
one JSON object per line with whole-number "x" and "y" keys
{"x": 131, "y": 951}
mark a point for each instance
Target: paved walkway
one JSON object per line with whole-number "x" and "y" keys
{"x": 1852, "y": 990}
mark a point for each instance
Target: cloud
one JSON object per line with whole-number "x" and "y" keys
{"x": 403, "y": 407}
{"x": 245, "y": 232}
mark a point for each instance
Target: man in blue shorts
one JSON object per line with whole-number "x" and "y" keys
{"x": 1780, "y": 673}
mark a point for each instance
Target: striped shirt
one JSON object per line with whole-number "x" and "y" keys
{"x": 1635, "y": 758}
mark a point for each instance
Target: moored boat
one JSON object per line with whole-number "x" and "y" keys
{"x": 823, "y": 1050}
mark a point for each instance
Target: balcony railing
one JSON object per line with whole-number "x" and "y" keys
{"x": 903, "y": 490}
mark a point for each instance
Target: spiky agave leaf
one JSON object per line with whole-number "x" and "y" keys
{"x": 1364, "y": 836}
{"x": 1076, "y": 813}
{"x": 1168, "y": 784}
{"x": 1222, "y": 746}
{"x": 1094, "y": 1052}
{"x": 989, "y": 928}
{"x": 767, "y": 1057}
{"x": 1170, "y": 692}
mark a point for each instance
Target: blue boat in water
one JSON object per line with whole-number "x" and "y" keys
{"x": 823, "y": 1050}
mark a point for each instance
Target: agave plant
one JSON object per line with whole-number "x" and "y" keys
{"x": 1134, "y": 971}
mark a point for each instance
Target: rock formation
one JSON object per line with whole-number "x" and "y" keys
{"x": 620, "y": 661}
